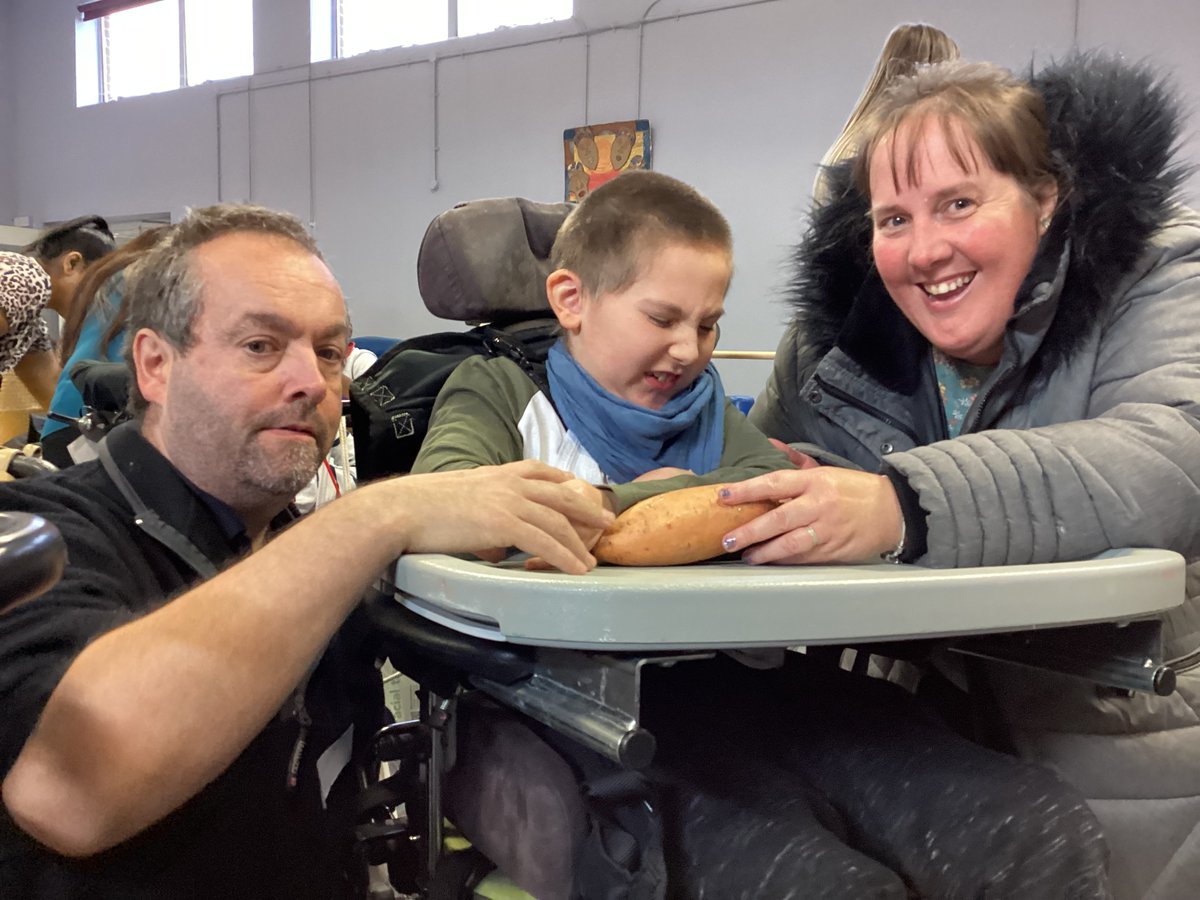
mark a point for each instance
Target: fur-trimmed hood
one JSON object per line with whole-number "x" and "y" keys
{"x": 1113, "y": 129}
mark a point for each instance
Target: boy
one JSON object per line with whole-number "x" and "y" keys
{"x": 641, "y": 268}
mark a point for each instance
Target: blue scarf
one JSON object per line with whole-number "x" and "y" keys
{"x": 628, "y": 440}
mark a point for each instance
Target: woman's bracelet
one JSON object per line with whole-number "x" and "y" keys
{"x": 893, "y": 555}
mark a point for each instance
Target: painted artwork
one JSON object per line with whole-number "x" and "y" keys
{"x": 594, "y": 154}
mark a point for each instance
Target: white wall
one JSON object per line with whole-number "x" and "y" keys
{"x": 743, "y": 97}
{"x": 8, "y": 75}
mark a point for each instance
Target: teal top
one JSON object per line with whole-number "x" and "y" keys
{"x": 67, "y": 399}
{"x": 958, "y": 384}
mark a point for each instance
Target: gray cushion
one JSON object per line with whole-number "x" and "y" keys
{"x": 487, "y": 260}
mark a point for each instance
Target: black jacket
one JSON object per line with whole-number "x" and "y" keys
{"x": 247, "y": 833}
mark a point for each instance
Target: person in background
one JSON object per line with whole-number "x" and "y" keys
{"x": 996, "y": 328}
{"x": 907, "y": 47}
{"x": 94, "y": 329}
{"x": 44, "y": 276}
{"x": 337, "y": 473}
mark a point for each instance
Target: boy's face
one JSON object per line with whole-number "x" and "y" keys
{"x": 651, "y": 340}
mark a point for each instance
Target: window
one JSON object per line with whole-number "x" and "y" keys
{"x": 342, "y": 28}
{"x": 148, "y": 47}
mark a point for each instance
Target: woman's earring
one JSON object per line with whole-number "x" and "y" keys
{"x": 1044, "y": 223}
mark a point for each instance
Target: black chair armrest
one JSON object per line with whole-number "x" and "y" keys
{"x": 424, "y": 650}
{"x": 32, "y": 557}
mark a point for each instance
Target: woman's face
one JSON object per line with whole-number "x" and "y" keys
{"x": 66, "y": 271}
{"x": 952, "y": 246}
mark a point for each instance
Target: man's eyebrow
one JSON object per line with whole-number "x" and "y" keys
{"x": 282, "y": 325}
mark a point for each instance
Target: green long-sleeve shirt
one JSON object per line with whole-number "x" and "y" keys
{"x": 490, "y": 412}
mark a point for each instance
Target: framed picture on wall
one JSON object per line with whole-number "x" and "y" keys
{"x": 594, "y": 154}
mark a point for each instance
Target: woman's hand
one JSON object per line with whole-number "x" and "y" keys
{"x": 826, "y": 514}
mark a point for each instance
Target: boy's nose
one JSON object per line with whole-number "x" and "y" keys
{"x": 685, "y": 348}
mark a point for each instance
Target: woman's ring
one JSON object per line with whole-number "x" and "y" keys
{"x": 812, "y": 533}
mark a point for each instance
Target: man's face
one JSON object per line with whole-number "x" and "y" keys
{"x": 251, "y": 409}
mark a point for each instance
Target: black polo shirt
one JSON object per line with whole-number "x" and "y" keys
{"x": 249, "y": 833}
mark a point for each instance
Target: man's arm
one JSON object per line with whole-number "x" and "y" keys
{"x": 151, "y": 712}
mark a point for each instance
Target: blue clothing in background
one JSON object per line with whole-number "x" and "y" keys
{"x": 67, "y": 399}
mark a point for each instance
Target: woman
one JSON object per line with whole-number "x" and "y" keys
{"x": 44, "y": 276}
{"x": 94, "y": 329}
{"x": 1012, "y": 337}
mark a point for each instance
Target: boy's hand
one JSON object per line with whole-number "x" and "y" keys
{"x": 664, "y": 472}
{"x": 799, "y": 460}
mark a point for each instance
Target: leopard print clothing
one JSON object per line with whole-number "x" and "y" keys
{"x": 24, "y": 293}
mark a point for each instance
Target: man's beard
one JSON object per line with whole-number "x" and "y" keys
{"x": 288, "y": 469}
{"x": 283, "y": 473}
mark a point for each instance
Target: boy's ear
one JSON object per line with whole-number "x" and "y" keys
{"x": 152, "y": 357}
{"x": 565, "y": 293}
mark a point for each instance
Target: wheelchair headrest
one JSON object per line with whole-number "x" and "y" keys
{"x": 487, "y": 260}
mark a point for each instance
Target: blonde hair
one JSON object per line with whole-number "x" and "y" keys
{"x": 907, "y": 47}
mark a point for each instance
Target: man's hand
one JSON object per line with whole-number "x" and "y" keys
{"x": 826, "y": 514}
{"x": 528, "y": 505}
{"x": 589, "y": 534}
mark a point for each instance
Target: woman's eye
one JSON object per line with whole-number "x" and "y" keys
{"x": 661, "y": 323}
{"x": 961, "y": 204}
{"x": 891, "y": 222}
{"x": 707, "y": 329}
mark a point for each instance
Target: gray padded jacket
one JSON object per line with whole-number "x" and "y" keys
{"x": 1086, "y": 437}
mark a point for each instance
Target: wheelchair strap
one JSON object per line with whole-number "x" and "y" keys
{"x": 151, "y": 523}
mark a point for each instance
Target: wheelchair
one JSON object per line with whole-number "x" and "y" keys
{"x": 464, "y": 637}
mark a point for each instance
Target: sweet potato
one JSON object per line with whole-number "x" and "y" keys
{"x": 674, "y": 528}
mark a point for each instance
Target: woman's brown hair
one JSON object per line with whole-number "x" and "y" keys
{"x": 972, "y": 102}
{"x": 90, "y": 294}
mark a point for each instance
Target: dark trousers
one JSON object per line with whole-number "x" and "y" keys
{"x": 810, "y": 782}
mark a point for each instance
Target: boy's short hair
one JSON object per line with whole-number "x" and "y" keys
{"x": 606, "y": 238}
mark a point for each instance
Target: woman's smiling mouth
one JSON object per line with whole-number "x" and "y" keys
{"x": 941, "y": 289}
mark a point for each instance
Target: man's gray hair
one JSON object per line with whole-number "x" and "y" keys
{"x": 163, "y": 291}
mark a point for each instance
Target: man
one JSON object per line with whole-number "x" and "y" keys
{"x": 178, "y": 709}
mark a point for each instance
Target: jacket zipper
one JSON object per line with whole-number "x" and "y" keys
{"x": 300, "y": 714}
{"x": 981, "y": 402}
{"x": 867, "y": 408}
